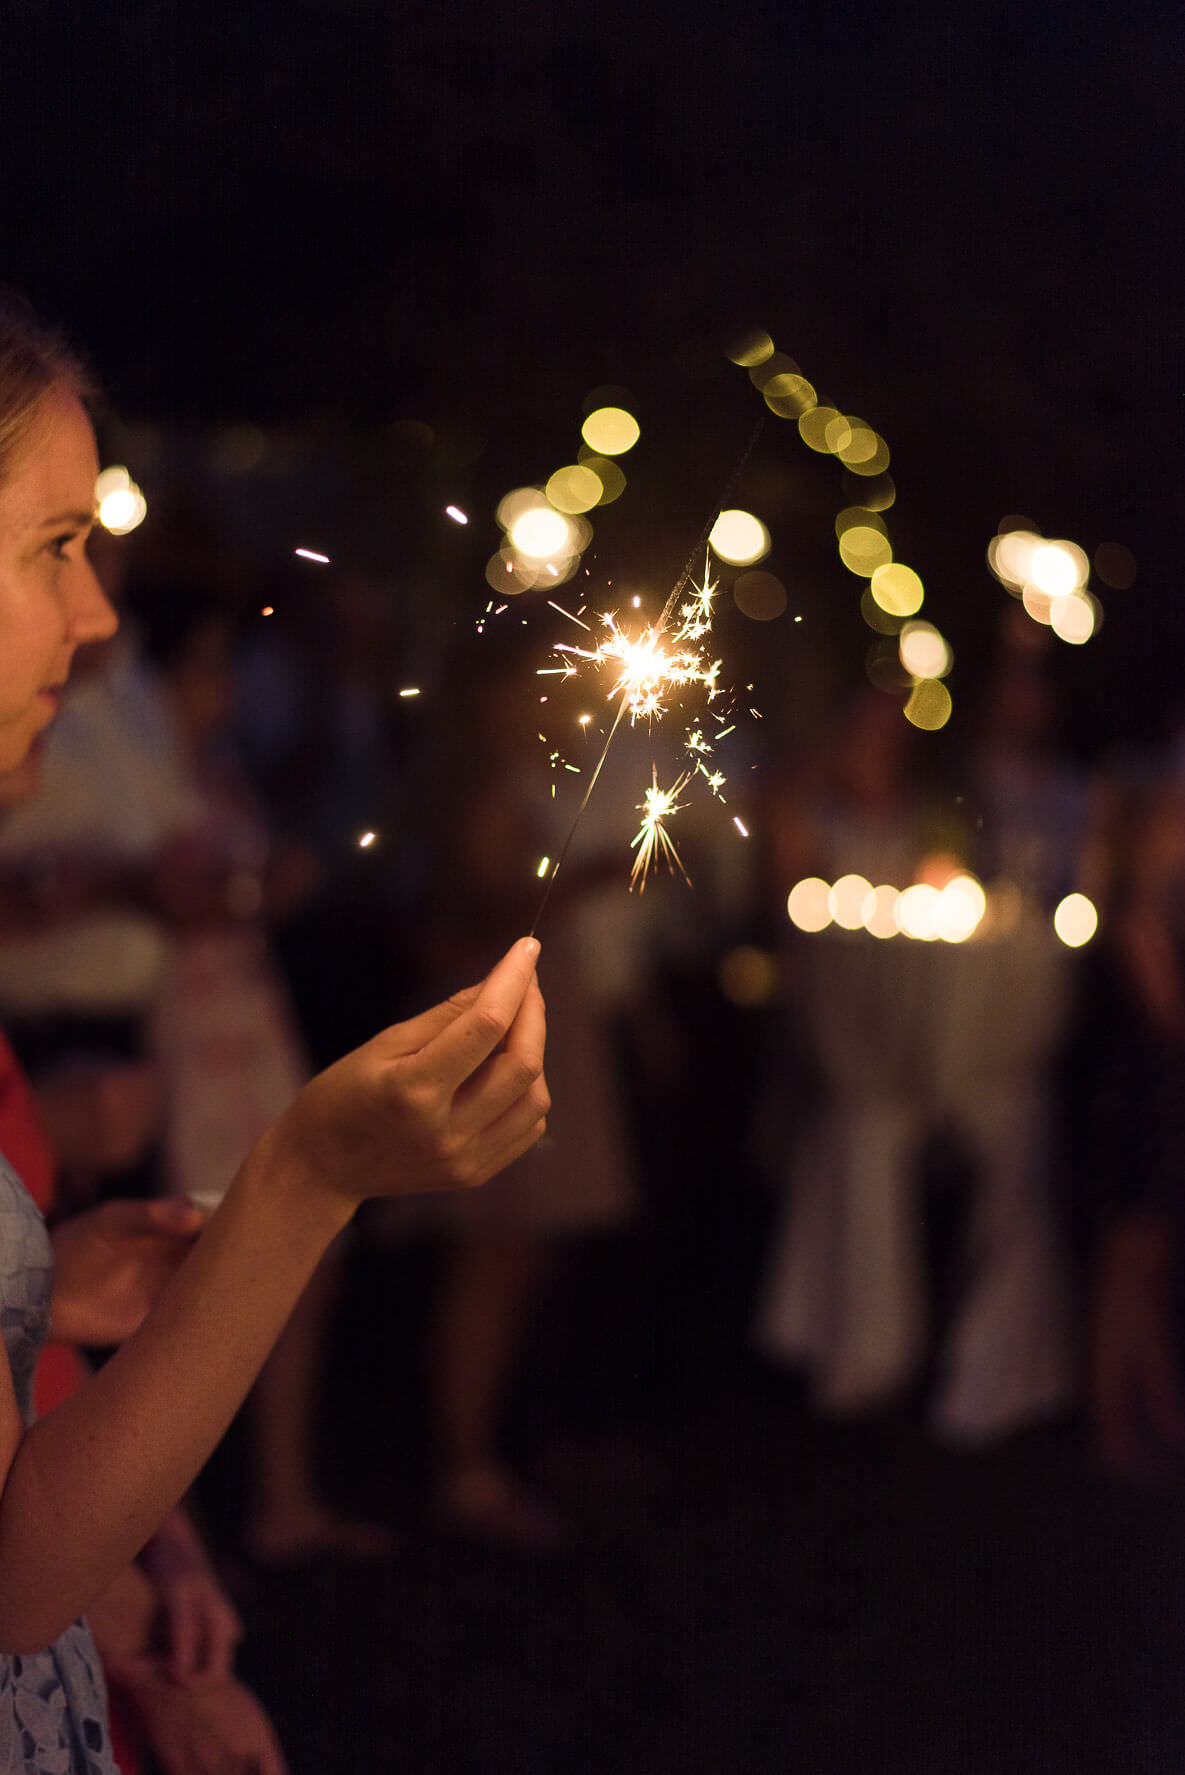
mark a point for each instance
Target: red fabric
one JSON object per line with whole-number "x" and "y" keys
{"x": 60, "y": 1370}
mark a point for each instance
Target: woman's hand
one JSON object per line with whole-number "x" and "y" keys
{"x": 197, "y": 1626}
{"x": 217, "y": 1730}
{"x": 112, "y": 1262}
{"x": 442, "y": 1101}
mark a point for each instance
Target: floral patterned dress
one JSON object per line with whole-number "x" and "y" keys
{"x": 53, "y": 1704}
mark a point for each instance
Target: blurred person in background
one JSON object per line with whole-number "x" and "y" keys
{"x": 932, "y": 1062}
{"x": 495, "y": 819}
{"x": 1134, "y": 1162}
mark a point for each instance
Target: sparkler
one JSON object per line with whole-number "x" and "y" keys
{"x": 653, "y": 839}
{"x": 650, "y": 669}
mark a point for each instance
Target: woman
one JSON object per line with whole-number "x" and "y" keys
{"x": 444, "y": 1100}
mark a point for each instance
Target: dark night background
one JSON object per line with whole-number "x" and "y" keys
{"x": 962, "y": 223}
{"x": 407, "y": 243}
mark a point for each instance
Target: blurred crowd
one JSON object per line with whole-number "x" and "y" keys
{"x": 239, "y": 852}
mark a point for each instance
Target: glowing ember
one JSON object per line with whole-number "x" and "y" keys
{"x": 456, "y": 514}
{"x": 312, "y": 555}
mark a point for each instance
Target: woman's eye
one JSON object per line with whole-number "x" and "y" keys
{"x": 60, "y": 544}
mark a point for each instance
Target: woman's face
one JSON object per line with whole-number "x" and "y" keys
{"x": 50, "y": 601}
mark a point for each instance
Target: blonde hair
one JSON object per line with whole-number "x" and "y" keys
{"x": 34, "y": 361}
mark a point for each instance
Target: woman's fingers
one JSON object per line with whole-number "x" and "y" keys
{"x": 456, "y": 1052}
{"x": 509, "y": 1074}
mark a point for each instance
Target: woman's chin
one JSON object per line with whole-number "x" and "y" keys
{"x": 22, "y": 781}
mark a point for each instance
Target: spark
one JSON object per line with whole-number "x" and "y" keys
{"x": 544, "y": 866}
{"x": 268, "y": 610}
{"x": 312, "y": 555}
{"x": 653, "y": 839}
{"x": 740, "y": 825}
{"x": 412, "y": 690}
{"x": 456, "y": 514}
{"x": 366, "y": 840}
{"x": 568, "y": 614}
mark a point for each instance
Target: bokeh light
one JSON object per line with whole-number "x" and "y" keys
{"x": 838, "y": 434}
{"x": 739, "y": 538}
{"x": 808, "y": 904}
{"x": 858, "y": 458}
{"x": 575, "y": 488}
{"x": 929, "y": 706}
{"x": 897, "y": 589}
{"x": 846, "y": 900}
{"x": 860, "y": 446}
{"x": 1010, "y": 555}
{"x": 1074, "y": 618}
{"x": 924, "y": 651}
{"x": 751, "y": 347}
{"x": 115, "y": 479}
{"x": 541, "y": 534}
{"x": 760, "y": 596}
{"x": 917, "y": 912}
{"x": 120, "y": 505}
{"x": 747, "y": 975}
{"x": 961, "y": 906}
{"x": 788, "y": 395}
{"x": 512, "y": 505}
{"x": 1058, "y": 568}
{"x": 1075, "y": 920}
{"x": 880, "y": 911}
{"x": 813, "y": 428}
{"x": 610, "y": 431}
{"x": 851, "y": 515}
{"x": 863, "y": 549}
{"x": 609, "y": 473}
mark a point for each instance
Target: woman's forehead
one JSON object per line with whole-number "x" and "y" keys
{"x": 53, "y": 472}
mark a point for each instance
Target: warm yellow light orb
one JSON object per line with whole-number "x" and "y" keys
{"x": 1058, "y": 568}
{"x": 115, "y": 479}
{"x": 924, "y": 652}
{"x": 929, "y": 706}
{"x": 541, "y": 533}
{"x": 1073, "y": 617}
{"x": 880, "y": 911}
{"x": 961, "y": 906}
{"x": 789, "y": 395}
{"x": 863, "y": 549}
{"x": 917, "y": 912}
{"x": 808, "y": 904}
{"x": 611, "y": 431}
{"x": 1075, "y": 920}
{"x": 1010, "y": 556}
{"x": 813, "y": 428}
{"x": 737, "y": 536}
{"x": 122, "y": 510}
{"x": 846, "y": 901}
{"x": 897, "y": 589}
{"x": 576, "y": 488}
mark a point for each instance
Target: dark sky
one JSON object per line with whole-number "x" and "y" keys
{"x": 963, "y": 222}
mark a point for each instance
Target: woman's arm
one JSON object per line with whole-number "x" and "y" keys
{"x": 443, "y": 1101}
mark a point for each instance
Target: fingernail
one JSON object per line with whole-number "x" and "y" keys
{"x": 530, "y": 948}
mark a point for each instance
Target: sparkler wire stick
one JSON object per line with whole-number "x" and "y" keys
{"x": 667, "y": 612}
